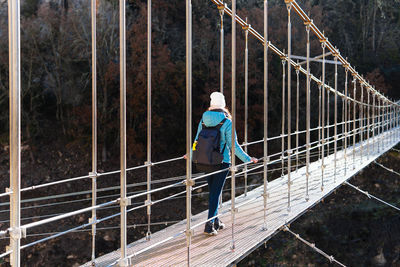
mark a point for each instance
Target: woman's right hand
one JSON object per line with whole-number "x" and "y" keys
{"x": 254, "y": 160}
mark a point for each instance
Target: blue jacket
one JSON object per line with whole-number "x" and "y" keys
{"x": 213, "y": 118}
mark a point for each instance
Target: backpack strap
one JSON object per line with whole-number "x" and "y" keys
{"x": 218, "y": 126}
{"x": 221, "y": 123}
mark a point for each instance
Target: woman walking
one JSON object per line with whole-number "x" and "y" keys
{"x": 218, "y": 115}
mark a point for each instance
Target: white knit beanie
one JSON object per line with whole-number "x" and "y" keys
{"x": 217, "y": 100}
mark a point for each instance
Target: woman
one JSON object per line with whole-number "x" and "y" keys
{"x": 215, "y": 114}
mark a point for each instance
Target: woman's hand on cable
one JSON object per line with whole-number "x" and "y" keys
{"x": 254, "y": 160}
{"x": 185, "y": 156}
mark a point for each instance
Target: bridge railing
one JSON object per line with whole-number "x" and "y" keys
{"x": 362, "y": 119}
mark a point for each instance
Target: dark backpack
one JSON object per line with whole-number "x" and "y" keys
{"x": 206, "y": 155}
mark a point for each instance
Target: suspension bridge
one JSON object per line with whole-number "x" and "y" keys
{"x": 367, "y": 128}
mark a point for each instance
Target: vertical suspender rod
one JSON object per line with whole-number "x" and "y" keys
{"x": 345, "y": 121}
{"x": 148, "y": 162}
{"x": 266, "y": 158}
{"x": 221, "y": 74}
{"x": 368, "y": 123}
{"x": 354, "y": 121}
{"x": 335, "y": 129}
{"x": 246, "y": 98}
{"x": 189, "y": 181}
{"x": 14, "y": 40}
{"x": 308, "y": 115}
{"x": 124, "y": 202}
{"x": 297, "y": 116}
{"x": 233, "y": 168}
{"x": 289, "y": 115}
{"x": 323, "y": 44}
{"x": 93, "y": 174}
{"x": 373, "y": 121}
{"x": 283, "y": 114}
{"x": 361, "y": 121}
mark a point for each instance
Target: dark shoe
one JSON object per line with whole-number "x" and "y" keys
{"x": 209, "y": 229}
{"x": 218, "y": 225}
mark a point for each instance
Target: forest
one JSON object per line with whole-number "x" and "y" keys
{"x": 56, "y": 65}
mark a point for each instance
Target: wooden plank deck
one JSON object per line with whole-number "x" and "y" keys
{"x": 215, "y": 251}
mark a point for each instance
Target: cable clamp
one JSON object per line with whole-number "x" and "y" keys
{"x": 246, "y": 27}
{"x": 235, "y": 210}
{"x": 189, "y": 182}
{"x": 124, "y": 262}
{"x": 124, "y": 202}
{"x": 93, "y": 175}
{"x": 290, "y": 151}
{"x": 266, "y": 195}
{"x": 148, "y": 202}
{"x": 233, "y": 169}
{"x": 148, "y": 163}
{"x": 93, "y": 220}
{"x": 331, "y": 259}
{"x": 148, "y": 236}
{"x": 290, "y": 183}
{"x": 8, "y": 190}
{"x": 189, "y": 232}
{"x": 17, "y": 233}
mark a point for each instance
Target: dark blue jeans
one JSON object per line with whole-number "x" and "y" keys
{"x": 215, "y": 185}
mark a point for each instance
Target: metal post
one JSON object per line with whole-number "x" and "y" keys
{"x": 346, "y": 119}
{"x": 328, "y": 92}
{"x": 14, "y": 47}
{"x": 361, "y": 121}
{"x": 233, "y": 168}
{"x": 319, "y": 121}
{"x": 308, "y": 113}
{"x": 124, "y": 202}
{"x": 246, "y": 97}
{"x": 283, "y": 113}
{"x": 387, "y": 122}
{"x": 189, "y": 181}
{"x": 148, "y": 201}
{"x": 265, "y": 174}
{"x": 221, "y": 14}
{"x": 323, "y": 44}
{"x": 94, "y": 128}
{"x": 343, "y": 118}
{"x": 368, "y": 123}
{"x": 335, "y": 129}
{"x": 379, "y": 124}
{"x": 354, "y": 121}
{"x": 289, "y": 115}
{"x": 373, "y": 121}
{"x": 382, "y": 123}
{"x": 297, "y": 116}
